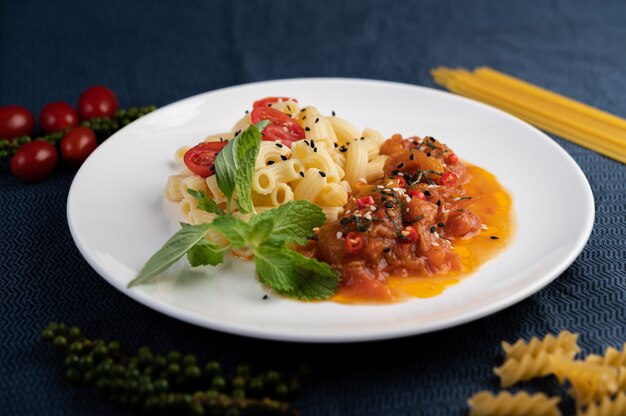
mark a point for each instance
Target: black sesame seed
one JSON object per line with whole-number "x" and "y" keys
{"x": 333, "y": 113}
{"x": 400, "y": 165}
{"x": 362, "y": 138}
{"x": 440, "y": 224}
{"x": 322, "y": 174}
{"x": 387, "y": 249}
{"x": 265, "y": 297}
{"x": 302, "y": 174}
{"x": 394, "y": 172}
{"x": 247, "y": 111}
{"x": 307, "y": 129}
{"x": 288, "y": 108}
{"x": 303, "y": 110}
{"x": 315, "y": 149}
{"x": 493, "y": 237}
{"x": 343, "y": 149}
{"x": 270, "y": 162}
{"x": 269, "y": 105}
{"x": 317, "y": 119}
{"x": 412, "y": 156}
{"x": 283, "y": 157}
{"x": 427, "y": 192}
{"x": 388, "y": 204}
{"x": 306, "y": 142}
{"x": 428, "y": 154}
{"x": 303, "y": 117}
{"x": 382, "y": 198}
{"x": 279, "y": 145}
{"x": 335, "y": 145}
{"x": 433, "y": 229}
{"x": 312, "y": 143}
{"x": 439, "y": 202}
{"x": 432, "y": 139}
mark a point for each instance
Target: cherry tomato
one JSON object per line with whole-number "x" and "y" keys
{"x": 269, "y": 100}
{"x": 448, "y": 178}
{"x": 200, "y": 159}
{"x": 77, "y": 144}
{"x": 97, "y": 101}
{"x": 57, "y": 116}
{"x": 283, "y": 128}
{"x": 452, "y": 159}
{"x": 34, "y": 161}
{"x": 15, "y": 121}
{"x": 354, "y": 242}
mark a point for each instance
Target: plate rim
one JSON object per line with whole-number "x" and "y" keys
{"x": 381, "y": 333}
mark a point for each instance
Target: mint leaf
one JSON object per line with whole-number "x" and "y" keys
{"x": 205, "y": 253}
{"x": 248, "y": 144}
{"x": 236, "y": 230}
{"x": 291, "y": 274}
{"x": 205, "y": 203}
{"x": 226, "y": 170}
{"x": 260, "y": 231}
{"x": 234, "y": 166}
{"x": 293, "y": 221}
{"x": 176, "y": 247}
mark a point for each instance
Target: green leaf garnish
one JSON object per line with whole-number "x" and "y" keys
{"x": 176, "y": 247}
{"x": 236, "y": 230}
{"x": 291, "y": 274}
{"x": 234, "y": 166}
{"x": 206, "y": 253}
{"x": 205, "y": 203}
{"x": 293, "y": 221}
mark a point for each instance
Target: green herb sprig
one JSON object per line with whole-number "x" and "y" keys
{"x": 267, "y": 236}
{"x": 166, "y": 384}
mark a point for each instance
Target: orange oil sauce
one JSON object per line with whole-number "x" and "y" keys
{"x": 494, "y": 206}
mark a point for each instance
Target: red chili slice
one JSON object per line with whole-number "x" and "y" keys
{"x": 452, "y": 159}
{"x": 365, "y": 201}
{"x": 408, "y": 235}
{"x": 401, "y": 181}
{"x": 414, "y": 193}
{"x": 269, "y": 100}
{"x": 449, "y": 178}
{"x": 354, "y": 242}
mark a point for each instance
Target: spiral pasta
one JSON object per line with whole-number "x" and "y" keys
{"x": 565, "y": 342}
{"x": 611, "y": 356}
{"x": 485, "y": 403}
{"x": 513, "y": 371}
{"x": 589, "y": 381}
{"x": 608, "y": 406}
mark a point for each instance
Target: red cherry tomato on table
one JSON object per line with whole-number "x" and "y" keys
{"x": 34, "y": 161}
{"x": 283, "y": 128}
{"x": 265, "y": 102}
{"x": 77, "y": 144}
{"x": 15, "y": 121}
{"x": 200, "y": 159}
{"x": 97, "y": 101}
{"x": 57, "y": 116}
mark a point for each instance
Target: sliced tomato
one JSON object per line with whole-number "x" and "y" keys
{"x": 269, "y": 100}
{"x": 200, "y": 159}
{"x": 283, "y": 128}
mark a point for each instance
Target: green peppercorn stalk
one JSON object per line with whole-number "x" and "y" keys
{"x": 103, "y": 127}
{"x": 168, "y": 384}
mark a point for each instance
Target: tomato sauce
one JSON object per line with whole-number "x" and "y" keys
{"x": 430, "y": 221}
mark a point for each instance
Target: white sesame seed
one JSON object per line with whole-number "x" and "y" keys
{"x": 400, "y": 174}
{"x": 483, "y": 226}
{"x": 363, "y": 180}
{"x": 436, "y": 235}
{"x": 368, "y": 215}
{"x": 372, "y": 207}
{"x": 339, "y": 234}
{"x": 408, "y": 199}
{"x": 380, "y": 187}
{"x": 356, "y": 214}
{"x": 434, "y": 244}
{"x": 396, "y": 189}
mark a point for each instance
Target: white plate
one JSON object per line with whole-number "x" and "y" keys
{"x": 116, "y": 211}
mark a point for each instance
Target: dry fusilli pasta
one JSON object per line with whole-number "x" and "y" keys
{"x": 485, "y": 403}
{"x": 565, "y": 341}
{"x": 607, "y": 407}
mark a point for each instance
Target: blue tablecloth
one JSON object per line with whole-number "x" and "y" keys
{"x": 159, "y": 52}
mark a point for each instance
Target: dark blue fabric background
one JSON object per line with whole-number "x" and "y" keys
{"x": 159, "y": 52}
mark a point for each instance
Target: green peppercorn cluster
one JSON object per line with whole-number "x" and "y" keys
{"x": 168, "y": 384}
{"x": 102, "y": 127}
{"x": 105, "y": 126}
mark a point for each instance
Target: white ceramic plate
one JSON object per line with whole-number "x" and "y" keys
{"x": 118, "y": 220}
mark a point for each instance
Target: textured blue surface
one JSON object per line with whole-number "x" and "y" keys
{"x": 153, "y": 52}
